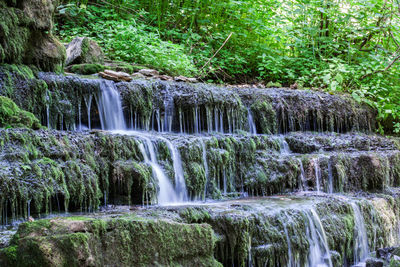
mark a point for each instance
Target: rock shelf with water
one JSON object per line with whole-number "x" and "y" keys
{"x": 214, "y": 175}
{"x": 275, "y": 231}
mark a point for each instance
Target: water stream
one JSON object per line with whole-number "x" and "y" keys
{"x": 361, "y": 249}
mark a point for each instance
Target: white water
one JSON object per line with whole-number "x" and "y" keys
{"x": 317, "y": 170}
{"x": 252, "y": 125}
{"x": 203, "y": 146}
{"x": 88, "y": 103}
{"x": 361, "y": 249}
{"x": 110, "y": 107}
{"x": 180, "y": 185}
{"x": 319, "y": 255}
{"x": 330, "y": 177}
{"x": 166, "y": 193}
{"x": 302, "y": 176}
{"x": 285, "y": 150}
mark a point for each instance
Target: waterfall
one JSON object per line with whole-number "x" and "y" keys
{"x": 319, "y": 255}
{"x": 330, "y": 177}
{"x": 110, "y": 107}
{"x": 252, "y": 125}
{"x": 291, "y": 261}
{"x": 302, "y": 175}
{"x": 361, "y": 249}
{"x": 203, "y": 146}
{"x": 284, "y": 146}
{"x": 180, "y": 184}
{"x": 166, "y": 193}
{"x": 88, "y": 103}
{"x": 317, "y": 170}
{"x": 168, "y": 112}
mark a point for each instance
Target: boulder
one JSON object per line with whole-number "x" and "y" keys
{"x": 47, "y": 53}
{"x": 25, "y": 34}
{"x": 40, "y": 13}
{"x": 149, "y": 72}
{"x": 83, "y": 50}
{"x": 116, "y": 76}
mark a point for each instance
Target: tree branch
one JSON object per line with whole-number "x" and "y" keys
{"x": 385, "y": 69}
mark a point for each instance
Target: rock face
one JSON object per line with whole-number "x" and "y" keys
{"x": 83, "y": 50}
{"x": 25, "y": 37}
{"x": 125, "y": 241}
{"x": 269, "y": 232}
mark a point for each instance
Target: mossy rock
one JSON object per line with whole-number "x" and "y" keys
{"x": 127, "y": 241}
{"x": 11, "y": 116}
{"x": 86, "y": 69}
{"x": 25, "y": 36}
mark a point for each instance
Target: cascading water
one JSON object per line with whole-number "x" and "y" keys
{"x": 317, "y": 171}
{"x": 330, "y": 177}
{"x": 302, "y": 175}
{"x": 252, "y": 125}
{"x": 168, "y": 112}
{"x": 110, "y": 107}
{"x": 180, "y": 185}
{"x": 361, "y": 249}
{"x": 166, "y": 193}
{"x": 285, "y": 150}
{"x": 204, "y": 155}
{"x": 88, "y": 103}
{"x": 319, "y": 255}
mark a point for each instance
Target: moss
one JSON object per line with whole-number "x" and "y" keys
{"x": 265, "y": 117}
{"x": 12, "y": 116}
{"x": 86, "y": 69}
{"x": 122, "y": 242}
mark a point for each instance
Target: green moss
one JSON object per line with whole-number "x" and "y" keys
{"x": 87, "y": 69}
{"x": 12, "y": 116}
{"x": 265, "y": 117}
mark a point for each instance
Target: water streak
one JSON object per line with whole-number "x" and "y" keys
{"x": 110, "y": 107}
{"x": 319, "y": 255}
{"x": 203, "y": 146}
{"x": 361, "y": 249}
{"x": 166, "y": 193}
{"x": 252, "y": 125}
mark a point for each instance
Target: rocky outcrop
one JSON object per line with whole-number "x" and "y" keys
{"x": 128, "y": 241}
{"x": 83, "y": 50}
{"x": 25, "y": 35}
{"x": 270, "y": 232}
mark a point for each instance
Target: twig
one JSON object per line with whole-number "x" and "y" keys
{"x": 385, "y": 69}
{"x": 208, "y": 62}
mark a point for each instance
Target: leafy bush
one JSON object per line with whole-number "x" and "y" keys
{"x": 122, "y": 39}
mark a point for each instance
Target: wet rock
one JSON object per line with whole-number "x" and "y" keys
{"x": 138, "y": 75}
{"x": 372, "y": 262}
{"x": 165, "y": 78}
{"x": 185, "y": 79}
{"x": 115, "y": 76}
{"x": 117, "y": 242}
{"x": 30, "y": 41}
{"x": 149, "y": 72}
{"x": 40, "y": 13}
{"x": 83, "y": 50}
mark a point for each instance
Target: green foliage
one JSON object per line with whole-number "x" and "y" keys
{"x": 123, "y": 39}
